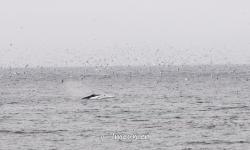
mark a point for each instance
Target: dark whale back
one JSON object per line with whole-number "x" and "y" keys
{"x": 90, "y": 96}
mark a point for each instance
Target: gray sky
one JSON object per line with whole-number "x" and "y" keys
{"x": 73, "y": 32}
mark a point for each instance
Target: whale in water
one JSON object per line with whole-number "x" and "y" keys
{"x": 90, "y": 96}
{"x": 97, "y": 96}
{"x": 80, "y": 91}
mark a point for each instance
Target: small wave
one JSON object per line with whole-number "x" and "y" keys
{"x": 216, "y": 142}
{"x": 31, "y": 132}
{"x": 152, "y": 127}
{"x": 139, "y": 120}
{"x": 226, "y": 108}
{"x": 12, "y": 103}
{"x": 103, "y": 116}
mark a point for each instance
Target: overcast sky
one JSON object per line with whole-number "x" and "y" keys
{"x": 121, "y": 32}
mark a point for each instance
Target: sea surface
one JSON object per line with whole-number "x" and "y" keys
{"x": 163, "y": 107}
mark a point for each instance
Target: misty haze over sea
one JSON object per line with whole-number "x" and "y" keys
{"x": 124, "y": 74}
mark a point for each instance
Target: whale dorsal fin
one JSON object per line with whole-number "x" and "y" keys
{"x": 90, "y": 96}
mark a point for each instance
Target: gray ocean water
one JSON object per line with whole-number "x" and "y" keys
{"x": 182, "y": 108}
